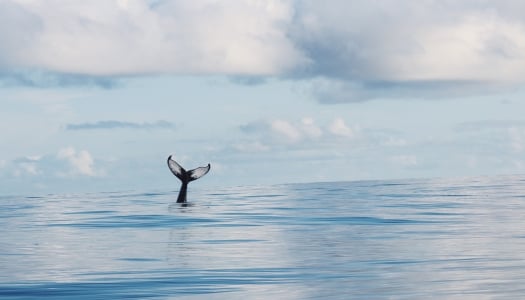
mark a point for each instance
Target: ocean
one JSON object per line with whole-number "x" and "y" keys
{"x": 461, "y": 238}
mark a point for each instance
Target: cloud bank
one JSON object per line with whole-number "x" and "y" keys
{"x": 130, "y": 37}
{"x": 412, "y": 41}
{"x": 284, "y": 132}
{"x": 360, "y": 49}
{"x": 67, "y": 162}
{"x": 112, "y": 124}
{"x": 81, "y": 162}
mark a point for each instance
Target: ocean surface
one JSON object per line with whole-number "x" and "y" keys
{"x": 408, "y": 239}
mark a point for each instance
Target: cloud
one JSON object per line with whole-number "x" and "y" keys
{"x": 81, "y": 162}
{"x": 392, "y": 41}
{"x": 364, "y": 50}
{"x": 24, "y": 166}
{"x": 67, "y": 169}
{"x": 111, "y": 124}
{"x": 310, "y": 129}
{"x": 337, "y": 90}
{"x": 27, "y": 26}
{"x": 400, "y": 41}
{"x": 27, "y": 169}
{"x": 339, "y": 128}
{"x": 350, "y": 50}
{"x": 46, "y": 78}
{"x": 134, "y": 37}
{"x": 279, "y": 131}
{"x": 286, "y": 130}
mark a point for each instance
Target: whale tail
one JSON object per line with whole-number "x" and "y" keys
{"x": 186, "y": 176}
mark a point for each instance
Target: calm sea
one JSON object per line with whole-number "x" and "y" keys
{"x": 409, "y": 239}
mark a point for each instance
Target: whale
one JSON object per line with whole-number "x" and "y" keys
{"x": 186, "y": 176}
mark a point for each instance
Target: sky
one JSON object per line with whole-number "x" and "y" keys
{"x": 94, "y": 95}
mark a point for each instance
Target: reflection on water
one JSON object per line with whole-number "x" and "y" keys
{"x": 376, "y": 239}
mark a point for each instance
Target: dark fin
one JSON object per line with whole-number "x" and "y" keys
{"x": 176, "y": 169}
{"x": 199, "y": 172}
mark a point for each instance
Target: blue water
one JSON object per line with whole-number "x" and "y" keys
{"x": 409, "y": 239}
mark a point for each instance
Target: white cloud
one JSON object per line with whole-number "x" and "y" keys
{"x": 80, "y": 162}
{"x": 25, "y": 168}
{"x": 310, "y": 129}
{"x": 339, "y": 128}
{"x": 101, "y": 37}
{"x": 113, "y": 124}
{"x": 361, "y": 41}
{"x": 413, "y": 41}
{"x": 293, "y": 132}
{"x": 286, "y": 130}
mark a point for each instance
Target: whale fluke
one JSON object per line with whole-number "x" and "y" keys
{"x": 186, "y": 176}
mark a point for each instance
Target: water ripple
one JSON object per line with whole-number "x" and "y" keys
{"x": 413, "y": 239}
